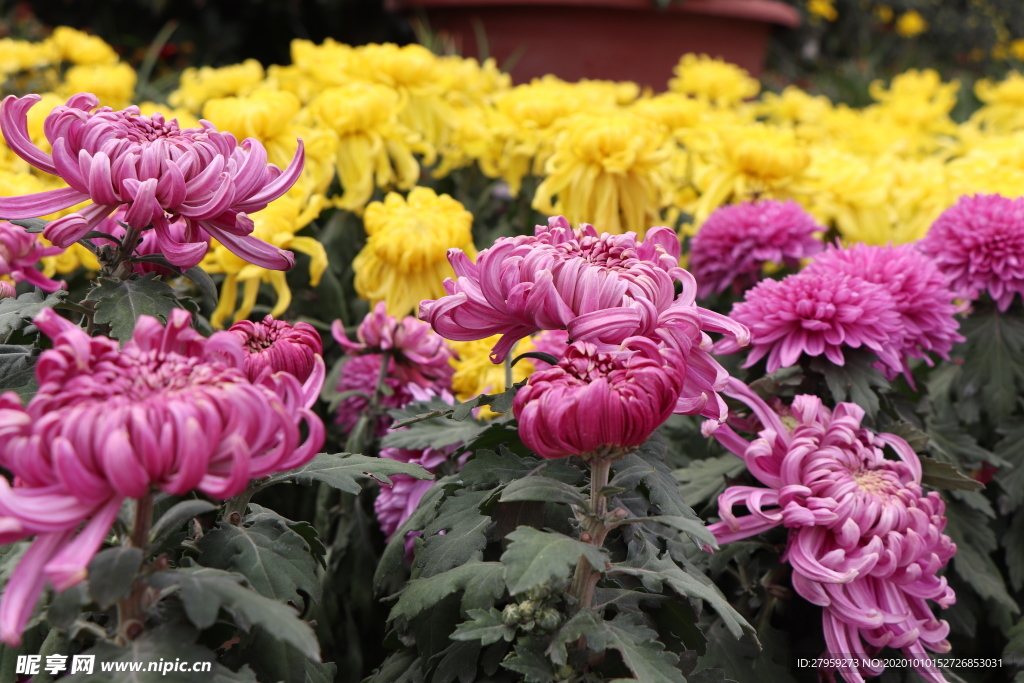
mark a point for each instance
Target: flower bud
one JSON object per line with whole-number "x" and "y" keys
{"x": 511, "y": 615}
{"x": 549, "y": 619}
{"x": 527, "y": 608}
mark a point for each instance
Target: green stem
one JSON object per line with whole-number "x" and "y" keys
{"x": 585, "y": 578}
{"x": 130, "y": 610}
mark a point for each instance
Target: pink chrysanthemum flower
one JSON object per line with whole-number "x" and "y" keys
{"x": 602, "y": 288}
{"x": 737, "y": 240}
{"x": 277, "y": 346}
{"x": 865, "y": 541}
{"x": 597, "y": 403}
{"x": 7, "y": 290}
{"x": 154, "y": 168}
{"x": 147, "y": 246}
{"x": 920, "y": 292}
{"x": 20, "y": 252}
{"x": 817, "y": 313}
{"x": 978, "y": 244}
{"x": 417, "y": 359}
{"x": 172, "y": 410}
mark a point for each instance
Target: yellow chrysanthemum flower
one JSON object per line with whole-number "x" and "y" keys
{"x": 264, "y": 114}
{"x": 475, "y": 374}
{"x": 713, "y": 79}
{"x": 276, "y": 224}
{"x": 911, "y": 24}
{"x": 851, "y": 193}
{"x": 823, "y": 8}
{"x": 405, "y": 259}
{"x": 113, "y": 84}
{"x": 81, "y": 48}
{"x": 21, "y": 55}
{"x": 1003, "y": 110}
{"x": 199, "y": 85}
{"x": 374, "y": 149}
{"x": 328, "y": 64}
{"x": 919, "y": 193}
{"x": 611, "y": 170}
{"x": 747, "y": 162}
{"x": 918, "y": 103}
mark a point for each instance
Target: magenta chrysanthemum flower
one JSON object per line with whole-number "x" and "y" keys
{"x": 277, "y": 346}
{"x": 920, "y": 293}
{"x": 172, "y": 410}
{"x": 20, "y": 252}
{"x": 978, "y": 244}
{"x": 737, "y": 240}
{"x": 602, "y": 288}
{"x": 596, "y": 403}
{"x": 817, "y": 313}
{"x": 865, "y": 541}
{"x": 153, "y": 168}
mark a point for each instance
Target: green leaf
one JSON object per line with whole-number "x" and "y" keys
{"x": 694, "y": 528}
{"x": 458, "y": 661}
{"x": 394, "y": 552}
{"x": 530, "y": 661}
{"x": 1013, "y": 543}
{"x": 639, "y": 646}
{"x": 179, "y": 514}
{"x": 276, "y": 560}
{"x": 856, "y": 380}
{"x": 1010, "y": 476}
{"x": 542, "y": 489}
{"x": 1015, "y": 646}
{"x": 456, "y": 536}
{"x": 17, "y": 313}
{"x": 67, "y": 605}
{"x": 437, "y": 432}
{"x": 276, "y": 660}
{"x": 485, "y": 626}
{"x": 943, "y": 476}
{"x": 33, "y": 226}
{"x": 17, "y": 366}
{"x": 744, "y": 660}
{"x": 201, "y": 279}
{"x": 168, "y": 642}
{"x": 205, "y": 591}
{"x": 993, "y": 364}
{"x": 489, "y": 467}
{"x": 703, "y": 480}
{"x": 481, "y": 581}
{"x": 536, "y": 557}
{"x": 975, "y": 541}
{"x": 112, "y": 573}
{"x": 121, "y": 303}
{"x": 653, "y": 571}
{"x": 343, "y": 470}
{"x": 570, "y": 632}
{"x": 949, "y": 443}
{"x": 499, "y": 403}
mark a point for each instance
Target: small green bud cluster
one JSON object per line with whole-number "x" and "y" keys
{"x": 534, "y": 610}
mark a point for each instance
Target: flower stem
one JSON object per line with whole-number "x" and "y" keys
{"x": 596, "y": 530}
{"x": 130, "y": 611}
{"x": 123, "y": 254}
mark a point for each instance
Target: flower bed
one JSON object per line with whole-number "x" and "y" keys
{"x": 598, "y": 359}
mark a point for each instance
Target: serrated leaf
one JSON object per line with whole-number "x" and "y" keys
{"x": 501, "y": 467}
{"x": 570, "y": 632}
{"x": 112, "y": 573}
{"x": 530, "y": 662}
{"x": 943, "y": 476}
{"x": 993, "y": 364}
{"x": 542, "y": 489}
{"x": 481, "y": 581}
{"x": 485, "y": 626}
{"x": 856, "y": 380}
{"x": 343, "y": 470}
{"x": 694, "y": 528}
{"x": 168, "y": 642}
{"x": 535, "y": 557}
{"x": 394, "y": 552}
{"x": 915, "y": 438}
{"x": 703, "y": 480}
{"x": 949, "y": 443}
{"x": 179, "y": 514}
{"x": 17, "y": 313}
{"x": 435, "y": 433}
{"x": 276, "y": 560}
{"x": 743, "y": 660}
{"x": 17, "y": 366}
{"x": 653, "y": 571}
{"x": 458, "y": 535}
{"x": 1010, "y": 476}
{"x": 33, "y": 226}
{"x": 458, "y": 662}
{"x": 121, "y": 303}
{"x": 205, "y": 591}
{"x": 975, "y": 541}
{"x": 276, "y": 660}
{"x": 641, "y": 651}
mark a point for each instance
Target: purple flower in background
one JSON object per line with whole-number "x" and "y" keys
{"x": 20, "y": 252}
{"x": 278, "y": 346}
{"x": 737, "y": 240}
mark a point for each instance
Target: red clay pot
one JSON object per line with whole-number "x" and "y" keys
{"x": 613, "y": 39}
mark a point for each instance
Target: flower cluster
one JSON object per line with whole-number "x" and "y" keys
{"x": 865, "y": 541}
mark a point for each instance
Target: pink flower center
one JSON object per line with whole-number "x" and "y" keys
{"x": 875, "y": 482}
{"x": 141, "y": 128}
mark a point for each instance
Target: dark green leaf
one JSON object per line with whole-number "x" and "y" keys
{"x": 993, "y": 365}
{"x": 17, "y": 366}
{"x": 488, "y": 467}
{"x": 856, "y": 380}
{"x": 654, "y": 571}
{"x": 538, "y": 355}
{"x": 743, "y": 660}
{"x": 678, "y": 618}
{"x": 535, "y": 557}
{"x": 342, "y": 470}
{"x": 436, "y": 433}
{"x": 639, "y": 646}
{"x": 394, "y": 552}
{"x": 975, "y": 541}
{"x": 276, "y": 660}
{"x": 464, "y": 534}
{"x": 943, "y": 476}
{"x": 1010, "y": 449}
{"x": 179, "y": 514}
{"x": 694, "y": 528}
{"x": 543, "y": 489}
{"x": 457, "y": 662}
{"x": 485, "y": 626}
{"x": 481, "y": 581}
{"x": 112, "y": 573}
{"x": 949, "y": 443}
{"x": 17, "y": 313}
{"x": 530, "y": 662}
{"x": 203, "y": 281}
{"x": 276, "y": 560}
{"x": 570, "y": 632}
{"x": 499, "y": 403}
{"x": 121, "y": 303}
{"x": 703, "y": 480}
{"x": 65, "y": 606}
{"x": 915, "y": 438}
{"x": 1013, "y": 543}
{"x": 308, "y": 532}
{"x": 205, "y": 591}
{"x": 33, "y": 226}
